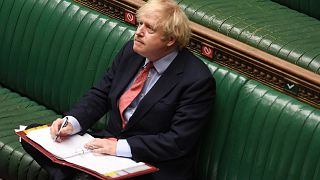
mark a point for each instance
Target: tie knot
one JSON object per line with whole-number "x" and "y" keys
{"x": 148, "y": 66}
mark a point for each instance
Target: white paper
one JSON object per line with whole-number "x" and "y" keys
{"x": 21, "y": 128}
{"x": 62, "y": 150}
{"x": 102, "y": 163}
{"x": 66, "y": 150}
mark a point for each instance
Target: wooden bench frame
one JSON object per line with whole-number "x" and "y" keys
{"x": 245, "y": 59}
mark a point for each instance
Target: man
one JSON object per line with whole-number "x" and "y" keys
{"x": 162, "y": 124}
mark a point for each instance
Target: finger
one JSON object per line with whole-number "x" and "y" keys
{"x": 99, "y": 151}
{"x": 55, "y": 126}
{"x": 93, "y": 144}
{"x": 89, "y": 145}
{"x": 66, "y": 131}
{"x": 58, "y": 139}
{"x": 62, "y": 138}
{"x": 108, "y": 148}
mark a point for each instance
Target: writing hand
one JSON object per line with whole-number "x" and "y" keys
{"x": 64, "y": 132}
{"x": 102, "y": 146}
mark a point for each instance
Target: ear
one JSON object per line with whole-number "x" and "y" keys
{"x": 171, "y": 41}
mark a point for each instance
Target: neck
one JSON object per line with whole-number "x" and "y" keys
{"x": 163, "y": 54}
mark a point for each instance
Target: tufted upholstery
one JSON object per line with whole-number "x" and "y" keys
{"x": 258, "y": 133}
{"x": 263, "y": 24}
{"x": 45, "y": 41}
{"x": 310, "y": 7}
{"x": 52, "y": 51}
{"x": 14, "y": 111}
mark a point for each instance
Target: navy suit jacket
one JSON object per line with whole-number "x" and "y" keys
{"x": 165, "y": 128}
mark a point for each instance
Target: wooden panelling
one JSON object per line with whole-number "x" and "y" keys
{"x": 245, "y": 59}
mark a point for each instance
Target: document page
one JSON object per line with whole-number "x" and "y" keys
{"x": 69, "y": 147}
{"x": 103, "y": 164}
{"x": 72, "y": 150}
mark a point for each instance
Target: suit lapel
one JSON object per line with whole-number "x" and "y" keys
{"x": 127, "y": 73}
{"x": 166, "y": 82}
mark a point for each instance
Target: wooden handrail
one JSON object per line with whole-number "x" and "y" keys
{"x": 257, "y": 53}
{"x": 267, "y": 58}
{"x": 226, "y": 51}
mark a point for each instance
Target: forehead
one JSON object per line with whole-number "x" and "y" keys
{"x": 150, "y": 18}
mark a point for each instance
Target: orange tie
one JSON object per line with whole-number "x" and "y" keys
{"x": 128, "y": 96}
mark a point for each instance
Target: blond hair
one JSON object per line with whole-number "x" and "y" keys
{"x": 172, "y": 20}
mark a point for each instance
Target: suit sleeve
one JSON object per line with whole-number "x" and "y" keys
{"x": 192, "y": 111}
{"x": 95, "y": 103}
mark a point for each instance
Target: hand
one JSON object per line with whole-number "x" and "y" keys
{"x": 65, "y": 131}
{"x": 103, "y": 146}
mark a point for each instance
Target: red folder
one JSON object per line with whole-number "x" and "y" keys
{"x": 123, "y": 174}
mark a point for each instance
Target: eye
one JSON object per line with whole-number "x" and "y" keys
{"x": 150, "y": 29}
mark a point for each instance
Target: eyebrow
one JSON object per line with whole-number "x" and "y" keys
{"x": 148, "y": 25}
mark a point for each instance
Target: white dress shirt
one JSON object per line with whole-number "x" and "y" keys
{"x": 123, "y": 148}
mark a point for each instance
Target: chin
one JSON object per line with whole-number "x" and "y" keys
{"x": 135, "y": 48}
{"x": 138, "y": 46}
{"x": 138, "y": 50}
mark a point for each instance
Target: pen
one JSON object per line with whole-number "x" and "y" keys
{"x": 64, "y": 124}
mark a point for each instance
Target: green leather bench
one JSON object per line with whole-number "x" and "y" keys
{"x": 52, "y": 51}
{"x": 288, "y": 29}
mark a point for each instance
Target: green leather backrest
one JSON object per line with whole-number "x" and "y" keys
{"x": 310, "y": 7}
{"x": 54, "y": 50}
{"x": 263, "y": 24}
{"x": 260, "y": 134}
{"x": 228, "y": 85}
{"x": 272, "y": 136}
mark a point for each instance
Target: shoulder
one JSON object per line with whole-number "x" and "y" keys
{"x": 194, "y": 73}
{"x": 126, "y": 53}
{"x": 196, "y": 80}
{"x": 193, "y": 65}
{"x": 128, "y": 48}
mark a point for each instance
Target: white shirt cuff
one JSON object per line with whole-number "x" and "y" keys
{"x": 75, "y": 124}
{"x": 123, "y": 148}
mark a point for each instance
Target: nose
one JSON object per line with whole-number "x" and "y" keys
{"x": 140, "y": 30}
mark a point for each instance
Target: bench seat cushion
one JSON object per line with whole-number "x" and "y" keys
{"x": 16, "y": 110}
{"x": 263, "y": 24}
{"x": 46, "y": 41}
{"x": 310, "y": 7}
{"x": 228, "y": 86}
{"x": 268, "y": 135}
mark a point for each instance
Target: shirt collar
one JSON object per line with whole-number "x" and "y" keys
{"x": 163, "y": 63}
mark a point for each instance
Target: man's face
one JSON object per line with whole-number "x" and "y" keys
{"x": 149, "y": 41}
